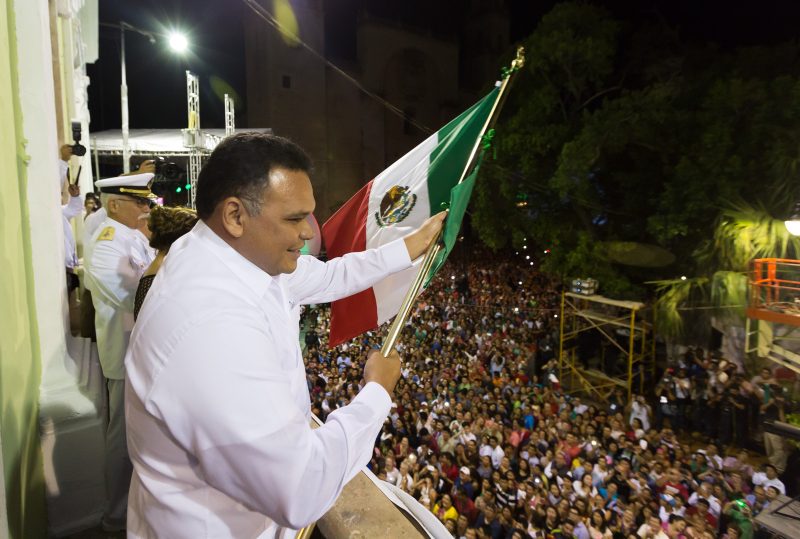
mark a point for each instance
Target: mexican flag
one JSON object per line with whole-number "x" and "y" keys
{"x": 420, "y": 184}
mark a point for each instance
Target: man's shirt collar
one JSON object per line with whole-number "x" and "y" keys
{"x": 250, "y": 274}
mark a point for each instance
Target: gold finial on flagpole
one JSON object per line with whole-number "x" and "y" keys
{"x": 519, "y": 61}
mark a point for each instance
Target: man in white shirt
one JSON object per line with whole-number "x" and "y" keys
{"x": 467, "y": 435}
{"x": 217, "y": 403}
{"x": 578, "y": 407}
{"x": 705, "y": 491}
{"x": 769, "y": 478}
{"x": 497, "y": 453}
{"x": 119, "y": 255}
{"x": 649, "y": 529}
{"x": 392, "y": 473}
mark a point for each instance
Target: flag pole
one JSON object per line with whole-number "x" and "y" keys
{"x": 436, "y": 246}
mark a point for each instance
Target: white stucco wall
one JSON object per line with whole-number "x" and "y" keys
{"x": 71, "y": 419}
{"x": 37, "y": 98}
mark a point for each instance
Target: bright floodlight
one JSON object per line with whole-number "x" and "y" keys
{"x": 793, "y": 222}
{"x": 793, "y": 227}
{"x": 178, "y": 42}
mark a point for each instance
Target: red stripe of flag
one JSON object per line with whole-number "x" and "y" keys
{"x": 346, "y": 232}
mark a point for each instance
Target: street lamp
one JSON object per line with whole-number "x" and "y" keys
{"x": 177, "y": 42}
{"x": 123, "y": 92}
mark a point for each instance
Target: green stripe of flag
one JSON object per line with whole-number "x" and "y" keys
{"x": 455, "y": 143}
{"x": 447, "y": 161}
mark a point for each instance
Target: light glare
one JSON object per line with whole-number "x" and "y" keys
{"x": 793, "y": 227}
{"x": 178, "y": 42}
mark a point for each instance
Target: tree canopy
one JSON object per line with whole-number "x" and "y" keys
{"x": 619, "y": 134}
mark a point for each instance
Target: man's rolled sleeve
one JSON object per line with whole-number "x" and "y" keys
{"x": 321, "y": 282}
{"x": 396, "y": 255}
{"x": 378, "y": 399}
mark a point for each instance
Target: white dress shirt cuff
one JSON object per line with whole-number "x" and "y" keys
{"x": 377, "y": 398}
{"x": 396, "y": 255}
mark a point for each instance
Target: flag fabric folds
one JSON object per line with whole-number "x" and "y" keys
{"x": 394, "y": 204}
{"x": 459, "y": 200}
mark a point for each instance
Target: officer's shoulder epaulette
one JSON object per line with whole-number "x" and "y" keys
{"x": 107, "y": 234}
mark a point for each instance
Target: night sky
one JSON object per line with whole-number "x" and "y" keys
{"x": 156, "y": 79}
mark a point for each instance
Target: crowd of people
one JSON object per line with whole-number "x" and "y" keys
{"x": 482, "y": 433}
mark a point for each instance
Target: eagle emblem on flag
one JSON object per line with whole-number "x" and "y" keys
{"x": 396, "y": 204}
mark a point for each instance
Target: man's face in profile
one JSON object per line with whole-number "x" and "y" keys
{"x": 272, "y": 240}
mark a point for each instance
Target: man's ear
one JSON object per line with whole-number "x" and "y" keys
{"x": 234, "y": 216}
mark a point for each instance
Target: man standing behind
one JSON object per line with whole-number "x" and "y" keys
{"x": 119, "y": 255}
{"x": 90, "y": 226}
{"x": 71, "y": 209}
{"x": 97, "y": 218}
{"x": 217, "y": 402}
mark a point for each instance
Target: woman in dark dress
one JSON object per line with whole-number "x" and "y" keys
{"x": 167, "y": 224}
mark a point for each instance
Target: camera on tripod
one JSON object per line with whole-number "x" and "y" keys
{"x": 77, "y": 148}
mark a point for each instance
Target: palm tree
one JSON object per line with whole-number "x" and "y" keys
{"x": 743, "y": 232}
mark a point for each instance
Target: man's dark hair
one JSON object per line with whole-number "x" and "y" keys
{"x": 240, "y": 165}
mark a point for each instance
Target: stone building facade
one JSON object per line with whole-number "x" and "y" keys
{"x": 428, "y": 75}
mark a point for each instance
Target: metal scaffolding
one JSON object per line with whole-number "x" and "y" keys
{"x": 623, "y": 327}
{"x": 192, "y": 135}
{"x": 230, "y": 127}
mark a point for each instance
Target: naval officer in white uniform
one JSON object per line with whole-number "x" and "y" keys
{"x": 117, "y": 256}
{"x": 217, "y": 403}
{"x": 90, "y": 226}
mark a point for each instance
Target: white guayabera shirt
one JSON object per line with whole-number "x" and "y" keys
{"x": 217, "y": 404}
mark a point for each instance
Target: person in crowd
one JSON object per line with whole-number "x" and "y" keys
{"x": 772, "y": 408}
{"x": 598, "y": 527}
{"x": 769, "y": 478}
{"x": 70, "y": 190}
{"x": 639, "y": 409}
{"x": 217, "y": 401}
{"x": 91, "y": 204}
{"x": 118, "y": 257}
{"x": 166, "y": 225}
{"x": 444, "y": 510}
